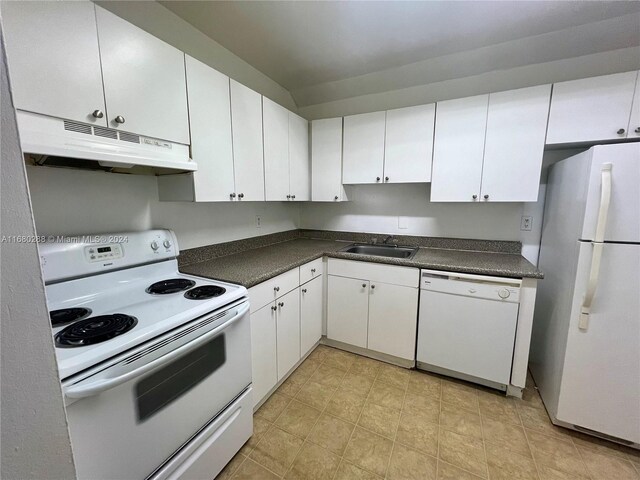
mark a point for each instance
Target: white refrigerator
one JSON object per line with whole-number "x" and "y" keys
{"x": 585, "y": 348}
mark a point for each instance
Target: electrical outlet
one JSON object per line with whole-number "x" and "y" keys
{"x": 525, "y": 223}
{"x": 258, "y": 221}
{"x": 403, "y": 223}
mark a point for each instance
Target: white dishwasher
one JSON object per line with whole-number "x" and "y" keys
{"x": 467, "y": 326}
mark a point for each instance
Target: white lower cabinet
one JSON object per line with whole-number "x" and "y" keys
{"x": 263, "y": 351}
{"x": 393, "y": 319}
{"x": 288, "y": 331}
{"x": 311, "y": 296}
{"x": 348, "y": 310}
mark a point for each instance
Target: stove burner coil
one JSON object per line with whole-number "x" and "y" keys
{"x": 173, "y": 285}
{"x": 95, "y": 330}
{"x": 204, "y": 292}
{"x": 68, "y": 315}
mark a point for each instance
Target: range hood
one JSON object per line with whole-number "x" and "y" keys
{"x": 49, "y": 136}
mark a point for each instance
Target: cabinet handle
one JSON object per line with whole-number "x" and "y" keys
{"x": 336, "y": 197}
{"x": 475, "y": 197}
{"x": 377, "y": 179}
{"x": 621, "y": 131}
{"x": 304, "y": 290}
{"x": 241, "y": 195}
{"x": 364, "y": 285}
{"x": 313, "y": 270}
{"x": 232, "y": 195}
{"x": 98, "y": 113}
{"x": 637, "y": 130}
{"x": 274, "y": 308}
{"x": 119, "y": 119}
{"x": 281, "y": 304}
{"x": 276, "y": 289}
{"x": 372, "y": 287}
{"x": 288, "y": 196}
{"x": 293, "y": 197}
{"x": 486, "y": 196}
{"x": 386, "y": 179}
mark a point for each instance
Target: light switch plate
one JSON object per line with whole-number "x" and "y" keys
{"x": 525, "y": 223}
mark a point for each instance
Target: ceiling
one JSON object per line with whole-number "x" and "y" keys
{"x": 325, "y": 50}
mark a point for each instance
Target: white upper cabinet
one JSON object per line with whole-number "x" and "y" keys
{"x": 634, "y": 122}
{"x": 363, "y": 148}
{"x": 246, "y": 121}
{"x": 458, "y": 149}
{"x": 52, "y": 48}
{"x": 592, "y": 109}
{"x": 144, "y": 80}
{"x": 299, "y": 162}
{"x": 514, "y": 144}
{"x": 408, "y": 146}
{"x": 326, "y": 160}
{"x": 276, "y": 150}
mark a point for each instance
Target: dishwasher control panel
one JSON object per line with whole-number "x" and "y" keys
{"x": 479, "y": 286}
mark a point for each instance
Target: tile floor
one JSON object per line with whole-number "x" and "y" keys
{"x": 342, "y": 416}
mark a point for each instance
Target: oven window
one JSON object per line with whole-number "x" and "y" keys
{"x": 164, "y": 386}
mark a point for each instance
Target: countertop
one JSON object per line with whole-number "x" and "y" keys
{"x": 254, "y": 266}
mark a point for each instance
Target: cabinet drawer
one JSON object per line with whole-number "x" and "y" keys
{"x": 268, "y": 291}
{"x": 311, "y": 270}
{"x": 375, "y": 272}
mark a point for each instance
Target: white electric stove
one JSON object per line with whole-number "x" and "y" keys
{"x": 155, "y": 364}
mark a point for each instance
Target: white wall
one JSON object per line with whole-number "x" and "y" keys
{"x": 383, "y": 208}
{"x": 35, "y": 438}
{"x": 69, "y": 201}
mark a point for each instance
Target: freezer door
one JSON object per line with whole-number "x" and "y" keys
{"x": 623, "y": 220}
{"x": 600, "y": 387}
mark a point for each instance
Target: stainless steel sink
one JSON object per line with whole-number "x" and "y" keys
{"x": 392, "y": 251}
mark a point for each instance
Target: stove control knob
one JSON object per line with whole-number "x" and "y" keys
{"x": 504, "y": 293}
{"x": 167, "y": 244}
{"x": 154, "y": 245}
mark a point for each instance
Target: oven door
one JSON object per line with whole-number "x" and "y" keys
{"x": 130, "y": 416}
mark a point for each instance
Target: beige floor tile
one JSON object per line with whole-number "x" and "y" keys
{"x": 308, "y": 367}
{"x": 422, "y": 405}
{"x": 409, "y": 464}
{"x": 379, "y": 419}
{"x": 417, "y": 431}
{"x": 260, "y": 427}
{"x": 460, "y": 421}
{"x": 498, "y": 407}
{"x": 339, "y": 359}
{"x": 369, "y": 451}
{"x": 547, "y": 473}
{"x": 231, "y": 467}
{"x": 293, "y": 384}
{"x": 315, "y": 394}
{"x": 507, "y": 465}
{"x": 603, "y": 446}
{"x": 397, "y": 377}
{"x": 298, "y": 419}
{"x": 357, "y": 383}
{"x": 602, "y": 466}
{"x": 365, "y": 366}
{"x": 327, "y": 376}
{"x": 273, "y": 407}
{"x": 538, "y": 420}
{"x": 449, "y": 472}
{"x": 636, "y": 465}
{"x": 313, "y": 463}
{"x": 422, "y": 383}
{"x": 463, "y": 451}
{"x": 348, "y": 471}
{"x": 346, "y": 404}
{"x": 460, "y": 395}
{"x": 276, "y": 450}
{"x": 386, "y": 395}
{"x": 319, "y": 354}
{"x": 505, "y": 435}
{"x": 558, "y": 454}
{"x": 331, "y": 433}
{"x": 531, "y": 397}
{"x": 250, "y": 470}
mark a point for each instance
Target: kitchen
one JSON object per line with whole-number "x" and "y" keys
{"x": 379, "y": 261}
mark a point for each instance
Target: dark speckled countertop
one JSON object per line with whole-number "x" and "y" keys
{"x": 253, "y": 266}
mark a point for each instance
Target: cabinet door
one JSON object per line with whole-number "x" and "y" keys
{"x": 514, "y": 144}
{"x": 408, "y": 146}
{"x": 246, "y": 120}
{"x": 210, "y": 122}
{"x": 363, "y": 148}
{"x": 263, "y": 351}
{"x": 54, "y": 61}
{"x": 458, "y": 149}
{"x": 288, "y": 331}
{"x": 299, "y": 164}
{"x": 591, "y": 109}
{"x": 347, "y": 310}
{"x": 634, "y": 122}
{"x": 144, "y": 80}
{"x": 326, "y": 160}
{"x": 310, "y": 314}
{"x": 275, "y": 119}
{"x": 393, "y": 319}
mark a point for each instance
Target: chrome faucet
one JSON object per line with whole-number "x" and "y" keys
{"x": 387, "y": 238}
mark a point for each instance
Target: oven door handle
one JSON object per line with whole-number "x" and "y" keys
{"x": 94, "y": 386}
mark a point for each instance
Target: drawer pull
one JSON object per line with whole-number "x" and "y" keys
{"x": 274, "y": 308}
{"x": 276, "y": 289}
{"x": 313, "y": 270}
{"x": 281, "y": 304}
{"x": 304, "y": 290}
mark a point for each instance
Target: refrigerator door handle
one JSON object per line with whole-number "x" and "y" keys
{"x": 596, "y": 256}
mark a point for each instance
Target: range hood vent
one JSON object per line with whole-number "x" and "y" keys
{"x": 57, "y": 138}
